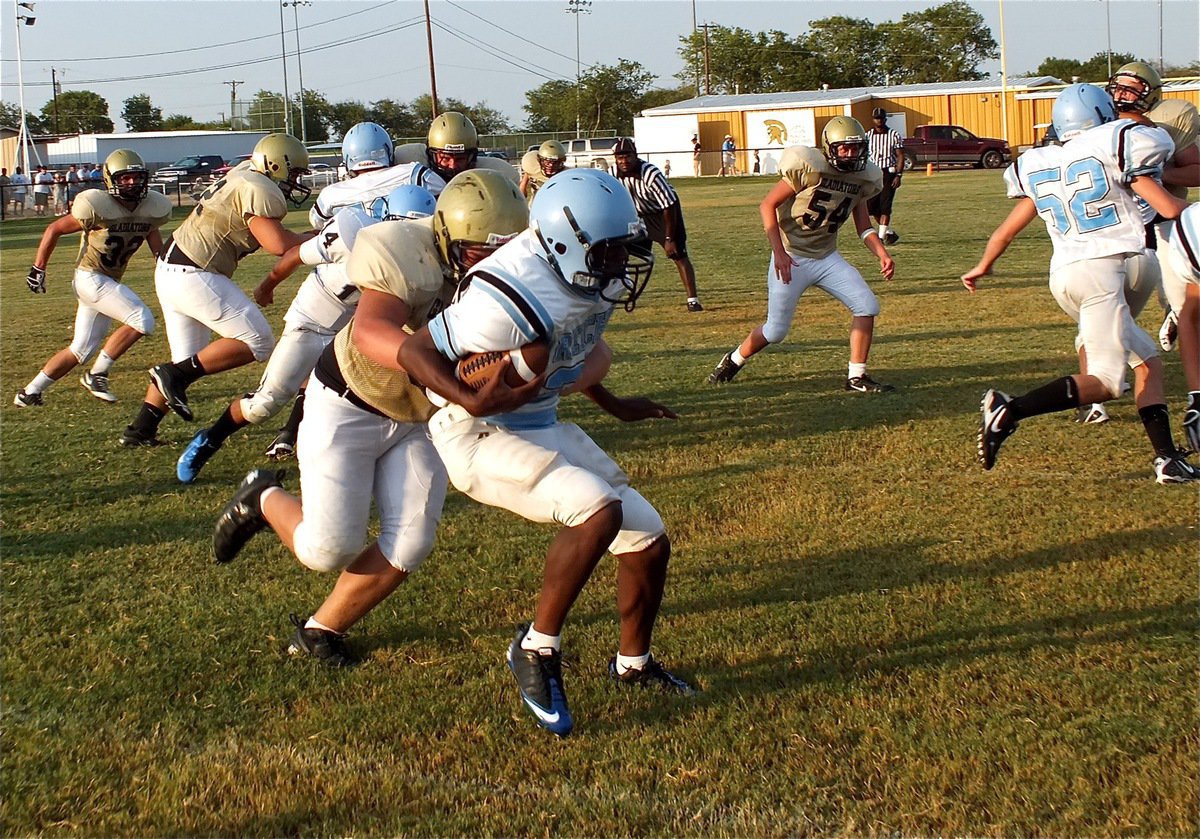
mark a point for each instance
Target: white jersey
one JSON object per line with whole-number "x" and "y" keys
{"x": 1183, "y": 243}
{"x": 362, "y": 189}
{"x": 513, "y": 298}
{"x": 328, "y": 293}
{"x": 1081, "y": 188}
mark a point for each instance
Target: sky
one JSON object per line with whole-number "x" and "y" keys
{"x": 182, "y": 52}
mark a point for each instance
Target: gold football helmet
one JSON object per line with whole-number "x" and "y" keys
{"x": 1145, "y": 97}
{"x": 552, "y": 156}
{"x": 845, "y": 133}
{"x": 126, "y": 162}
{"x": 452, "y": 145}
{"x": 283, "y": 159}
{"x": 477, "y": 212}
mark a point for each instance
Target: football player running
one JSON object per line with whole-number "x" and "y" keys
{"x": 1087, "y": 192}
{"x": 115, "y": 221}
{"x": 364, "y": 434}
{"x": 584, "y": 253}
{"x": 541, "y": 164}
{"x": 1182, "y": 260}
{"x": 323, "y": 305}
{"x": 451, "y": 147}
{"x": 236, "y": 216}
{"x": 820, "y": 189}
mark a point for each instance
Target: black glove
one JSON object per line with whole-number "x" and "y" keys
{"x": 36, "y": 280}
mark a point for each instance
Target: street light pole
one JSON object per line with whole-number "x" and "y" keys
{"x": 577, "y": 7}
{"x": 299, "y": 63}
{"x": 23, "y": 135}
{"x": 287, "y": 109}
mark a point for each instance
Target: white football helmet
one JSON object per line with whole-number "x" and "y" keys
{"x": 404, "y": 202}
{"x": 366, "y": 146}
{"x": 1080, "y": 107}
{"x": 590, "y": 233}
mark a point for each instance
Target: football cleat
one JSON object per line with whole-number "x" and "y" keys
{"x": 166, "y": 379}
{"x": 994, "y": 427}
{"x": 653, "y": 675}
{"x": 725, "y": 370}
{"x": 1191, "y": 421}
{"x": 197, "y": 453}
{"x": 865, "y": 384}
{"x": 283, "y": 446}
{"x": 694, "y": 306}
{"x": 131, "y": 438}
{"x": 891, "y": 237}
{"x": 1168, "y": 333}
{"x": 28, "y": 400}
{"x": 321, "y": 644}
{"x": 242, "y": 516}
{"x": 539, "y": 680}
{"x": 1175, "y": 470}
{"x": 97, "y": 385}
{"x": 1091, "y": 414}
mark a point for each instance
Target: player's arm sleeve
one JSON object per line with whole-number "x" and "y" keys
{"x": 259, "y": 200}
{"x": 1014, "y": 183}
{"x": 1142, "y": 150}
{"x": 83, "y": 210}
{"x": 476, "y": 322}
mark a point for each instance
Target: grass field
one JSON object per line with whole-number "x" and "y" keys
{"x": 889, "y": 639}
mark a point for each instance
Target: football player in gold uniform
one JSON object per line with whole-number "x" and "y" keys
{"x": 236, "y": 216}
{"x": 115, "y": 222}
{"x": 363, "y": 435}
{"x": 452, "y": 146}
{"x": 820, "y": 189}
{"x": 539, "y": 165}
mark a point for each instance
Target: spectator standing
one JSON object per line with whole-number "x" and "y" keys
{"x": 5, "y": 180}
{"x": 74, "y": 184}
{"x": 43, "y": 185}
{"x": 95, "y": 178}
{"x": 657, "y": 205}
{"x": 728, "y": 158}
{"x": 20, "y": 186}
{"x": 886, "y": 148}
{"x": 60, "y": 194}
{"x": 696, "y": 150}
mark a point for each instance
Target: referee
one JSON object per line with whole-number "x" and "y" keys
{"x": 658, "y": 206}
{"x": 886, "y": 149}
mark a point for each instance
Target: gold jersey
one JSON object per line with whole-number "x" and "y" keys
{"x": 531, "y": 167}
{"x": 825, "y": 199}
{"x": 216, "y": 236}
{"x": 112, "y": 232}
{"x": 397, "y": 258}
{"x": 415, "y": 153}
{"x": 1180, "y": 119}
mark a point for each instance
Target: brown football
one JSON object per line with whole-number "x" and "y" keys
{"x": 527, "y": 363}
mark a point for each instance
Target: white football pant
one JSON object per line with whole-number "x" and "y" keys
{"x": 103, "y": 300}
{"x": 197, "y": 303}
{"x": 832, "y": 274}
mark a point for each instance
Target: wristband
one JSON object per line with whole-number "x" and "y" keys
{"x": 867, "y": 233}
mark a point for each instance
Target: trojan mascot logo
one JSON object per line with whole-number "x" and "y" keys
{"x": 776, "y": 131}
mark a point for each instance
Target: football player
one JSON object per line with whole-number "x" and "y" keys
{"x": 452, "y": 146}
{"x": 364, "y": 432}
{"x": 115, "y": 222}
{"x": 371, "y": 172}
{"x": 544, "y": 162}
{"x": 1087, "y": 192}
{"x": 323, "y": 305}
{"x": 820, "y": 189}
{"x": 237, "y": 215}
{"x": 584, "y": 253}
{"x": 1182, "y": 261}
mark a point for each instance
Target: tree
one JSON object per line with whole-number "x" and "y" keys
{"x": 398, "y": 119}
{"x": 318, "y": 117}
{"x": 1095, "y": 69}
{"x": 551, "y": 106}
{"x": 847, "y": 51}
{"x": 79, "y": 112}
{"x": 946, "y": 43}
{"x": 140, "y": 115}
{"x": 658, "y": 97}
{"x": 740, "y": 61}
{"x": 343, "y": 115}
{"x": 265, "y": 112}
{"x": 10, "y": 117}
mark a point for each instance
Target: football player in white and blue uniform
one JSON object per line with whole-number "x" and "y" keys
{"x": 1087, "y": 192}
{"x": 585, "y": 252}
{"x": 1181, "y": 252}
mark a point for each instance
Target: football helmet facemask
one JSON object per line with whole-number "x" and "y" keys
{"x": 1080, "y": 107}
{"x": 477, "y": 212}
{"x": 589, "y": 232}
{"x": 454, "y": 136}
{"x": 1146, "y": 89}
{"x": 366, "y": 146}
{"x": 845, "y": 133}
{"x": 552, "y": 157}
{"x": 125, "y": 162}
{"x": 283, "y": 159}
{"x": 404, "y": 202}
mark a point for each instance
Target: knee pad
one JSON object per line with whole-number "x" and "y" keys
{"x": 84, "y": 352}
{"x": 406, "y": 552}
{"x": 864, "y": 305}
{"x": 1111, "y": 377}
{"x": 321, "y": 555}
{"x": 142, "y": 320}
{"x": 775, "y": 332}
{"x": 264, "y": 403}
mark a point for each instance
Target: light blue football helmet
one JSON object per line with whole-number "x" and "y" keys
{"x": 588, "y": 230}
{"x": 404, "y": 202}
{"x": 366, "y": 146}
{"x": 1080, "y": 107}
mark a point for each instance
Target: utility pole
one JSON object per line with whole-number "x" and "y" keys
{"x": 287, "y": 106}
{"x": 432, "y": 73}
{"x": 54, "y": 86}
{"x": 577, "y": 7}
{"x": 695, "y": 58}
{"x": 232, "y": 99}
{"x": 707, "y": 76}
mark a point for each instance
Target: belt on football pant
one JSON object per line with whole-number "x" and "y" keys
{"x": 174, "y": 255}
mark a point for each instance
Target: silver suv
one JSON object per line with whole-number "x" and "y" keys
{"x": 594, "y": 152}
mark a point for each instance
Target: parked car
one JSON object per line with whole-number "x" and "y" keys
{"x": 222, "y": 170}
{"x": 593, "y": 152}
{"x": 953, "y": 145}
{"x": 189, "y": 170}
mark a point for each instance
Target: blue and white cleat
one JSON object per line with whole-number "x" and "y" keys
{"x": 197, "y": 453}
{"x": 539, "y": 679}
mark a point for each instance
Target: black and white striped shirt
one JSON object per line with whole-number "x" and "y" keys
{"x": 649, "y": 189}
{"x": 882, "y": 146}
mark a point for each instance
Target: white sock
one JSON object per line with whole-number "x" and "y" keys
{"x": 883, "y": 229}
{"x": 535, "y": 640}
{"x": 266, "y": 492}
{"x": 693, "y": 300}
{"x": 737, "y": 358}
{"x": 313, "y": 623}
{"x": 631, "y": 662}
{"x": 40, "y": 384}
{"x": 104, "y": 363}
{"x": 854, "y": 371}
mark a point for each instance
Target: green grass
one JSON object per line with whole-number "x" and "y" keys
{"x": 890, "y": 640}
